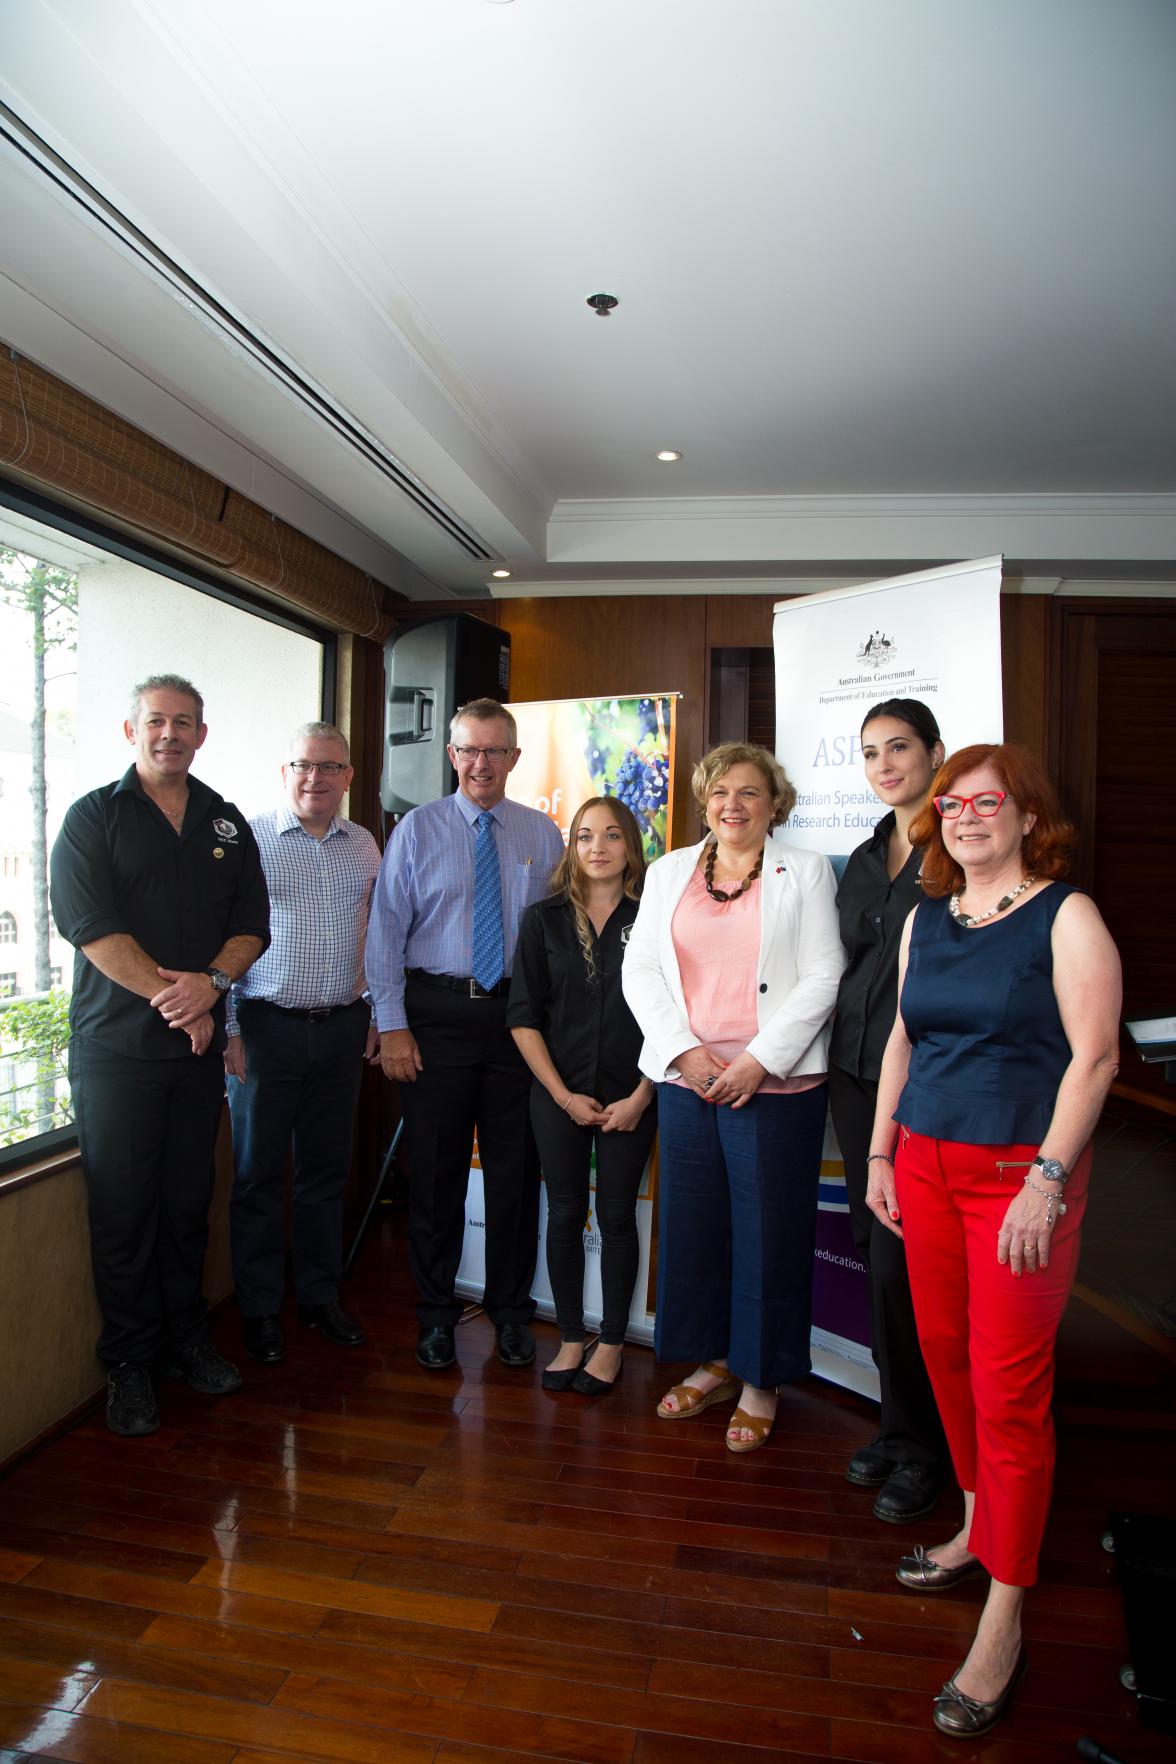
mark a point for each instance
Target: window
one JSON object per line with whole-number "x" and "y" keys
{"x": 84, "y": 614}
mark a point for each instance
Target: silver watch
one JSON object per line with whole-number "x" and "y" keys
{"x": 223, "y": 981}
{"x": 1053, "y": 1170}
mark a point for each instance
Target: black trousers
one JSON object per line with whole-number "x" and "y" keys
{"x": 565, "y": 1153}
{"x": 473, "y": 1078}
{"x": 301, "y": 1084}
{"x": 911, "y": 1430}
{"x": 147, "y": 1133}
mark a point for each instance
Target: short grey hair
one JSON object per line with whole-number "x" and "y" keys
{"x": 165, "y": 683}
{"x": 719, "y": 761}
{"x": 321, "y": 732}
{"x": 484, "y": 710}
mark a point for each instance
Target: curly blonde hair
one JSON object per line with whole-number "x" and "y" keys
{"x": 718, "y": 762}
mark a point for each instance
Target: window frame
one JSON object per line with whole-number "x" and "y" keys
{"x": 76, "y": 524}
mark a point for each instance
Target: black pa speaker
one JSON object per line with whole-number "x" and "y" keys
{"x": 432, "y": 666}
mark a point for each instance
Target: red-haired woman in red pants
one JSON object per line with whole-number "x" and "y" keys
{"x": 1004, "y": 1047}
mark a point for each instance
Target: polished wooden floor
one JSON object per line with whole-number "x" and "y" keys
{"x": 354, "y": 1560}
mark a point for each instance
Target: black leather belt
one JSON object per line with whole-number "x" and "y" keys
{"x": 318, "y": 1015}
{"x": 454, "y": 983}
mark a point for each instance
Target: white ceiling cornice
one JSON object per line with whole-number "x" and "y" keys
{"x": 748, "y": 529}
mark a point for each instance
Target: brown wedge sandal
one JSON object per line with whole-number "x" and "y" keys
{"x": 760, "y": 1426}
{"x": 692, "y": 1401}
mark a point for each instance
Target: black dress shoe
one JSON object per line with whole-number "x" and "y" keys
{"x": 202, "y": 1367}
{"x": 435, "y": 1349}
{"x": 869, "y": 1467}
{"x": 516, "y": 1344}
{"x": 331, "y": 1320}
{"x": 963, "y": 1717}
{"x": 923, "y": 1575}
{"x": 131, "y": 1408}
{"x": 910, "y": 1492}
{"x": 264, "y": 1340}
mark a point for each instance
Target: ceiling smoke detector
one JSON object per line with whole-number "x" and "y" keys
{"x": 602, "y": 304}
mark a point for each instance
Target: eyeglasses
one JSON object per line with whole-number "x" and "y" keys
{"x": 495, "y": 755}
{"x": 986, "y": 804}
{"x": 327, "y": 768}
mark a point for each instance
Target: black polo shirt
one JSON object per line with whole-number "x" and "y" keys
{"x": 118, "y": 866}
{"x": 591, "y": 1034}
{"x": 872, "y": 910}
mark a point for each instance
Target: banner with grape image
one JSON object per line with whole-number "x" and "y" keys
{"x": 571, "y": 749}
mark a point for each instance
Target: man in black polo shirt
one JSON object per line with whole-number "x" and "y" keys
{"x": 157, "y": 882}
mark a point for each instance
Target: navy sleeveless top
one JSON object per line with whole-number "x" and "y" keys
{"x": 987, "y": 1045}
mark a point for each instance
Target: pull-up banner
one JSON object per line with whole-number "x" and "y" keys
{"x": 933, "y": 636}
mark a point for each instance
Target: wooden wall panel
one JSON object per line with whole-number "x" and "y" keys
{"x": 584, "y": 648}
{"x": 1024, "y": 656}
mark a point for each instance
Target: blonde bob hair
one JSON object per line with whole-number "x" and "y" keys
{"x": 718, "y": 762}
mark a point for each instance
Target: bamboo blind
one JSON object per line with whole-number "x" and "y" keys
{"x": 56, "y": 438}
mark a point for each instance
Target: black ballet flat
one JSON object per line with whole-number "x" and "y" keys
{"x": 589, "y": 1385}
{"x": 962, "y": 1717}
{"x": 565, "y": 1378}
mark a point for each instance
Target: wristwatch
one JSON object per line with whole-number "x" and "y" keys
{"x": 223, "y": 981}
{"x": 1053, "y": 1170}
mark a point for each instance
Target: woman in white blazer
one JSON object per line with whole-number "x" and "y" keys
{"x": 731, "y": 972}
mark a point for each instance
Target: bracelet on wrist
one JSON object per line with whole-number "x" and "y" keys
{"x": 1052, "y": 1202}
{"x": 880, "y": 1158}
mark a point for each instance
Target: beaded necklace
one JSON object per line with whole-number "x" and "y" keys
{"x": 963, "y": 918}
{"x": 709, "y": 877}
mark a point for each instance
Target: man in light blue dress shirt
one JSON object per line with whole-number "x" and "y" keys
{"x": 299, "y": 1027}
{"x": 456, "y": 878}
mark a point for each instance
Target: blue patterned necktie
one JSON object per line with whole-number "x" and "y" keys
{"x": 486, "y": 949}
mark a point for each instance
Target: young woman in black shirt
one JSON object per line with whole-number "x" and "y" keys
{"x": 901, "y": 751}
{"x": 578, "y": 1036}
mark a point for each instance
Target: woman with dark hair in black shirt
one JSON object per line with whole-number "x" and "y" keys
{"x": 577, "y": 1034}
{"x": 901, "y": 750}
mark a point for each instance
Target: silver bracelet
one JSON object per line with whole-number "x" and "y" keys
{"x": 1051, "y": 1201}
{"x": 880, "y": 1158}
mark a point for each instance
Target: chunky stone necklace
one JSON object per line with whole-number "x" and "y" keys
{"x": 709, "y": 875}
{"x": 963, "y": 918}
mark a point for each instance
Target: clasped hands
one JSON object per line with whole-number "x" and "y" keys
{"x": 615, "y": 1117}
{"x": 185, "y": 1004}
{"x": 716, "y": 1081}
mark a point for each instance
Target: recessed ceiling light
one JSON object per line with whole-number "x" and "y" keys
{"x": 667, "y": 455}
{"x": 500, "y": 574}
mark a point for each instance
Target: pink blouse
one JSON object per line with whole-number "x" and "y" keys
{"x": 717, "y": 945}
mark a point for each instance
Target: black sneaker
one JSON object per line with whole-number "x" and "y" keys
{"x": 131, "y": 1408}
{"x": 202, "y": 1367}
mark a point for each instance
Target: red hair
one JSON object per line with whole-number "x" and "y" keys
{"x": 1045, "y": 848}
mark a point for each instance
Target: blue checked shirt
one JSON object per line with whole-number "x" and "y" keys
{"x": 422, "y": 910}
{"x": 320, "y": 891}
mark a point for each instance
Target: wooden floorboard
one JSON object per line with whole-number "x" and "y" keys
{"x": 351, "y": 1561}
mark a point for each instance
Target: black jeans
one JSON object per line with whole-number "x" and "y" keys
{"x": 565, "y": 1152}
{"x": 301, "y": 1084}
{"x": 473, "y": 1077}
{"x": 911, "y": 1430}
{"x": 147, "y": 1133}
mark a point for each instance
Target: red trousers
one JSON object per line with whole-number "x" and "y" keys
{"x": 988, "y": 1335}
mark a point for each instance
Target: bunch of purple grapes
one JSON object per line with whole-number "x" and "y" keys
{"x": 642, "y": 783}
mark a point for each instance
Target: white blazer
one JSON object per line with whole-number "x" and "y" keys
{"x": 800, "y": 962}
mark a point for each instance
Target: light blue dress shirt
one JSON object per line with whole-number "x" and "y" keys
{"x": 320, "y": 891}
{"x": 422, "y": 910}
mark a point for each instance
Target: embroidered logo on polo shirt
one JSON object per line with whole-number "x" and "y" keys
{"x": 225, "y": 830}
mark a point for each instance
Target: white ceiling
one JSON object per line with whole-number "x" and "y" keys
{"x": 896, "y": 278}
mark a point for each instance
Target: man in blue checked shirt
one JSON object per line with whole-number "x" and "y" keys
{"x": 456, "y": 878}
{"x": 299, "y": 1029}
